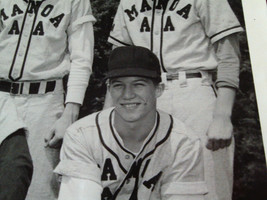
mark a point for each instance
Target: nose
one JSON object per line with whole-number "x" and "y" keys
{"x": 128, "y": 93}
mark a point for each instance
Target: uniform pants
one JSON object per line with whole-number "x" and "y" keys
{"x": 15, "y": 167}
{"x": 192, "y": 101}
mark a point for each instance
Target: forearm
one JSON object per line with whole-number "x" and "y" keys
{"x": 224, "y": 102}
{"x": 72, "y": 110}
{"x": 81, "y": 54}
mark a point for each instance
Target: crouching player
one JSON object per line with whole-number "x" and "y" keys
{"x": 131, "y": 151}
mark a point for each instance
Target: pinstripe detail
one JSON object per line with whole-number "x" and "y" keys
{"x": 20, "y": 35}
{"x": 163, "y": 140}
{"x": 225, "y": 31}
{"x": 148, "y": 154}
{"x": 125, "y": 44}
{"x": 152, "y": 25}
{"x": 113, "y": 133}
{"x": 106, "y": 147}
{"x": 28, "y": 45}
{"x": 161, "y": 41}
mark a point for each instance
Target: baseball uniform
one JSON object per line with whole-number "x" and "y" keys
{"x": 169, "y": 162}
{"x": 40, "y": 43}
{"x": 184, "y": 34}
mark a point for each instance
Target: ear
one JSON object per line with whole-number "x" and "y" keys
{"x": 108, "y": 84}
{"x": 159, "y": 89}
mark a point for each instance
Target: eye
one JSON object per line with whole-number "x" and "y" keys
{"x": 117, "y": 85}
{"x": 140, "y": 84}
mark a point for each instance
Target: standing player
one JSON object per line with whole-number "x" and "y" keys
{"x": 131, "y": 151}
{"x": 40, "y": 43}
{"x": 192, "y": 39}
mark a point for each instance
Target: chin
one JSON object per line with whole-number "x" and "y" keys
{"x": 129, "y": 117}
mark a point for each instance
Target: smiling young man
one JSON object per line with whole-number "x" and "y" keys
{"x": 131, "y": 151}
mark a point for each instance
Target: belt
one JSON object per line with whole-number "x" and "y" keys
{"x": 32, "y": 87}
{"x": 187, "y": 75}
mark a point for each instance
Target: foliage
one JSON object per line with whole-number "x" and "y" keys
{"x": 250, "y": 180}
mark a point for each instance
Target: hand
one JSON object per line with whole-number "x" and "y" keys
{"x": 219, "y": 133}
{"x": 70, "y": 114}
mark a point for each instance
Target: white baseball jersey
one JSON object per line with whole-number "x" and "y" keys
{"x": 179, "y": 32}
{"x": 169, "y": 162}
{"x": 44, "y": 40}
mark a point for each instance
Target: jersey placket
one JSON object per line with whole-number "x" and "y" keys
{"x": 23, "y": 45}
{"x": 157, "y": 31}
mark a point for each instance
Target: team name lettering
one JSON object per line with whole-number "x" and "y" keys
{"x": 131, "y": 12}
{"x": 184, "y": 12}
{"x": 33, "y": 9}
{"x": 150, "y": 184}
{"x": 108, "y": 171}
{"x": 106, "y": 194}
{"x": 161, "y": 5}
{"x": 134, "y": 173}
{"x": 16, "y": 10}
{"x": 145, "y": 6}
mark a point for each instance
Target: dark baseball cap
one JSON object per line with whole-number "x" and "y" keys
{"x": 133, "y": 61}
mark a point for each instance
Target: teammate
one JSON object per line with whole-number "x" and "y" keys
{"x": 40, "y": 43}
{"x": 131, "y": 151}
{"x": 192, "y": 39}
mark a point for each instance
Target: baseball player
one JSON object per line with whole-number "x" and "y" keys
{"x": 192, "y": 39}
{"x": 41, "y": 42}
{"x": 131, "y": 151}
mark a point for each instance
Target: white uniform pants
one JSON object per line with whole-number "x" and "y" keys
{"x": 37, "y": 113}
{"x": 192, "y": 101}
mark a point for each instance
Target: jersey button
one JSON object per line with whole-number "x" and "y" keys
{"x": 158, "y": 11}
{"x": 127, "y": 157}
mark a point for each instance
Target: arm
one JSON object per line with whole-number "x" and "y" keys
{"x": 220, "y": 130}
{"x": 80, "y": 43}
{"x": 79, "y": 189}
{"x": 79, "y": 170}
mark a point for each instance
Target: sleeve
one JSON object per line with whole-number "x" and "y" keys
{"x": 79, "y": 189}
{"x": 119, "y": 34}
{"x": 81, "y": 45}
{"x": 185, "y": 177}
{"x": 76, "y": 160}
{"x": 217, "y": 18}
{"x": 228, "y": 54}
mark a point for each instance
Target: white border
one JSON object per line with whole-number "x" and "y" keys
{"x": 255, "y": 14}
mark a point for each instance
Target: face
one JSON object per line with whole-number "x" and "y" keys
{"x": 134, "y": 97}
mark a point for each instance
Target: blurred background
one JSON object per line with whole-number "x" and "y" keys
{"x": 250, "y": 177}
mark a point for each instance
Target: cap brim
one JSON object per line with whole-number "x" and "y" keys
{"x": 132, "y": 72}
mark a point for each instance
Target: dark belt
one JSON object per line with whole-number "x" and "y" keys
{"x": 18, "y": 88}
{"x": 187, "y": 75}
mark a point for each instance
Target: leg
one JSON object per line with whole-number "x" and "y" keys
{"x": 194, "y": 104}
{"x": 15, "y": 167}
{"x": 41, "y": 113}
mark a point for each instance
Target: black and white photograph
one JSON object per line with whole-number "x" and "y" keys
{"x": 133, "y": 99}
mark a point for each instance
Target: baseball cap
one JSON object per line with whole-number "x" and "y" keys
{"x": 133, "y": 61}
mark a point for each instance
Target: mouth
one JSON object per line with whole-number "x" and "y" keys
{"x": 130, "y": 105}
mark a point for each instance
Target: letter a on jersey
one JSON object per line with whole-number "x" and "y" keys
{"x": 108, "y": 171}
